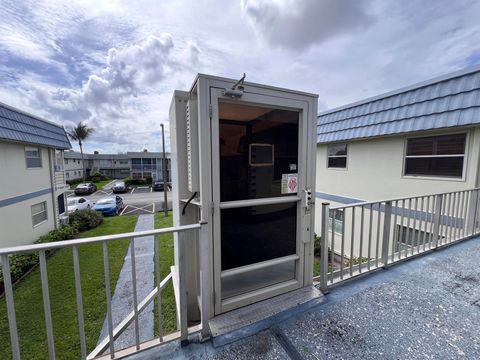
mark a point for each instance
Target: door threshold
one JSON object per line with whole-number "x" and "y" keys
{"x": 251, "y": 319}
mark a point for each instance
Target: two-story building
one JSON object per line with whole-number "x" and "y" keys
{"x": 73, "y": 166}
{"x": 138, "y": 165}
{"x": 32, "y": 179}
{"x": 421, "y": 139}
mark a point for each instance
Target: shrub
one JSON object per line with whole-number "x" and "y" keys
{"x": 20, "y": 264}
{"x": 96, "y": 177}
{"x": 64, "y": 233}
{"x": 85, "y": 219}
{"x": 129, "y": 181}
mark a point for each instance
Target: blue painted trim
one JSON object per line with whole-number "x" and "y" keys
{"x": 20, "y": 198}
{"x": 418, "y": 215}
{"x": 337, "y": 198}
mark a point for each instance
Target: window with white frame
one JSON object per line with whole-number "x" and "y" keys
{"x": 33, "y": 157}
{"x": 337, "y": 156}
{"x": 336, "y": 223}
{"x": 39, "y": 213}
{"x": 436, "y": 156}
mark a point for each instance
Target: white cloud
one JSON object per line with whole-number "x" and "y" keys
{"x": 114, "y": 64}
{"x": 299, "y": 24}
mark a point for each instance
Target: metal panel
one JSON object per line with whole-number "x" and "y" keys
{"x": 453, "y": 100}
{"x": 18, "y": 126}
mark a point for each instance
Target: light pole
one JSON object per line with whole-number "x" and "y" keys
{"x": 164, "y": 172}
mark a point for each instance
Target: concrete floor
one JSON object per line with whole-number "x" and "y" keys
{"x": 425, "y": 308}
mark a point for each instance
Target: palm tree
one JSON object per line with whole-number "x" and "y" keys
{"x": 80, "y": 133}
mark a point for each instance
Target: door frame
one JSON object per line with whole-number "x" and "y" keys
{"x": 276, "y": 102}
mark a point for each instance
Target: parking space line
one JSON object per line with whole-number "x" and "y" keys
{"x": 137, "y": 208}
{"x": 123, "y": 210}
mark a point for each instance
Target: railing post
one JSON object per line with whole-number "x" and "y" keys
{"x": 204, "y": 280}
{"x": 12, "y": 320}
{"x": 387, "y": 221}
{"x": 472, "y": 213}
{"x": 437, "y": 216}
{"x": 182, "y": 287}
{"x": 324, "y": 248}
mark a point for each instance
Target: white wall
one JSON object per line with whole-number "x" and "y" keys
{"x": 16, "y": 226}
{"x": 375, "y": 172}
{"x": 16, "y": 222}
{"x": 15, "y": 178}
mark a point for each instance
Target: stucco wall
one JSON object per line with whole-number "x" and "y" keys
{"x": 16, "y": 222}
{"x": 15, "y": 178}
{"x": 375, "y": 172}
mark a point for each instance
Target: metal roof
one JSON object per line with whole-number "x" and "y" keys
{"x": 447, "y": 101}
{"x": 16, "y": 125}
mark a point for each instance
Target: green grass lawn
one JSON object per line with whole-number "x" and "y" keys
{"x": 166, "y": 260}
{"x": 29, "y": 303}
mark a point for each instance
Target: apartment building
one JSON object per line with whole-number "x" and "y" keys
{"x": 32, "y": 179}
{"x": 418, "y": 140}
{"x": 138, "y": 165}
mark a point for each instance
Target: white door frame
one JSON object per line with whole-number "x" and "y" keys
{"x": 303, "y": 222}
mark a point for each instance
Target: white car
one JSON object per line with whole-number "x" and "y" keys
{"x": 77, "y": 203}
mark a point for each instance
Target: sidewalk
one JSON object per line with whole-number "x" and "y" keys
{"x": 122, "y": 300}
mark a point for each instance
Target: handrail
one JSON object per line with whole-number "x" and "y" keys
{"x": 375, "y": 234}
{"x": 360, "y": 203}
{"x": 95, "y": 239}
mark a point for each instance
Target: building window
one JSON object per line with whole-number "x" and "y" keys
{"x": 39, "y": 213}
{"x": 436, "y": 156}
{"x": 33, "y": 156}
{"x": 67, "y": 175}
{"x": 408, "y": 237}
{"x": 337, "y": 223}
{"x": 337, "y": 156}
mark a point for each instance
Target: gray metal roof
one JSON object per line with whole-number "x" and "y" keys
{"x": 15, "y": 125}
{"x": 447, "y": 101}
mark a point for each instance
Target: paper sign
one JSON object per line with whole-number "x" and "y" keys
{"x": 289, "y": 183}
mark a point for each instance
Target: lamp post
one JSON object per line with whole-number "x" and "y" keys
{"x": 164, "y": 172}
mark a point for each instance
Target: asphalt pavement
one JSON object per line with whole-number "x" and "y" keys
{"x": 138, "y": 200}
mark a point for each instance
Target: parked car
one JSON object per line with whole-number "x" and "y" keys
{"x": 79, "y": 203}
{"x": 120, "y": 187}
{"x": 85, "y": 189}
{"x": 110, "y": 205}
{"x": 157, "y": 185}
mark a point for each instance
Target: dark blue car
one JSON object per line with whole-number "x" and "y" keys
{"x": 110, "y": 205}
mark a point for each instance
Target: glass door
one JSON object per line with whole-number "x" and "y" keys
{"x": 258, "y": 174}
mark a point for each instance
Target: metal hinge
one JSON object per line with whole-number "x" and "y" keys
{"x": 210, "y": 111}
{"x": 213, "y": 208}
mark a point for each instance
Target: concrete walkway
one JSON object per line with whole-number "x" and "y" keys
{"x": 122, "y": 300}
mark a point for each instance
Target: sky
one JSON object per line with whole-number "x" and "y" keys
{"x": 115, "y": 64}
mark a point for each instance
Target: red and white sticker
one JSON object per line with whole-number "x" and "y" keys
{"x": 289, "y": 183}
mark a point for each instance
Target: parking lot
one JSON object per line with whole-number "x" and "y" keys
{"x": 138, "y": 200}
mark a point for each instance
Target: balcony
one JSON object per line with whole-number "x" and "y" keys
{"x": 434, "y": 297}
{"x": 59, "y": 180}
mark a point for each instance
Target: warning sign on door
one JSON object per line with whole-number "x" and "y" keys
{"x": 289, "y": 183}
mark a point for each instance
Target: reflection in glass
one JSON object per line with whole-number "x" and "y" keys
{"x": 257, "y": 233}
{"x": 257, "y": 279}
{"x": 257, "y": 146}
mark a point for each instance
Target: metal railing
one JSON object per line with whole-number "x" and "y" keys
{"x": 362, "y": 237}
{"x": 138, "y": 306}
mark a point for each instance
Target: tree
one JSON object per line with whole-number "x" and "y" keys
{"x": 80, "y": 133}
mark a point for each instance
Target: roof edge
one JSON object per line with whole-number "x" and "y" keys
{"x": 30, "y": 115}
{"x": 404, "y": 89}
